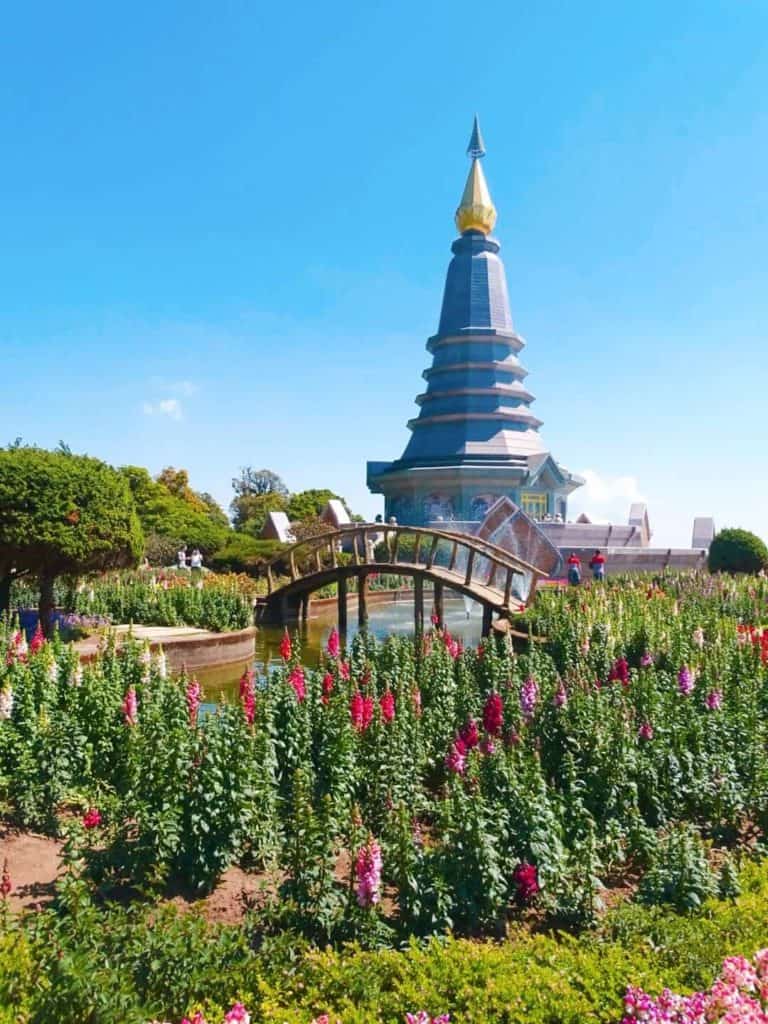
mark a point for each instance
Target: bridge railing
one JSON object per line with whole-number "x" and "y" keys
{"x": 465, "y": 560}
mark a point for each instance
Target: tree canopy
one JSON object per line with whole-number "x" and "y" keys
{"x": 735, "y": 550}
{"x": 180, "y": 515}
{"x": 63, "y": 514}
{"x": 258, "y": 481}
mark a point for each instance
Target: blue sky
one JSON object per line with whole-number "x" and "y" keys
{"x": 226, "y": 228}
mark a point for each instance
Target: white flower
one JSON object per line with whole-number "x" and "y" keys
{"x": 53, "y": 672}
{"x": 161, "y": 664}
{"x": 76, "y": 678}
{"x": 6, "y": 703}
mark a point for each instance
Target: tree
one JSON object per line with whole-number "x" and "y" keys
{"x": 735, "y": 550}
{"x": 257, "y": 481}
{"x": 163, "y": 514}
{"x": 250, "y": 511}
{"x": 63, "y": 514}
{"x": 307, "y": 504}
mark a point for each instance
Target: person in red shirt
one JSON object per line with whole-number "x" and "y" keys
{"x": 574, "y": 569}
{"x": 597, "y": 565}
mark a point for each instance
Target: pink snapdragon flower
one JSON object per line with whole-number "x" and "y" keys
{"x": 37, "y": 643}
{"x": 646, "y": 660}
{"x": 327, "y": 687}
{"x": 493, "y": 714}
{"x": 469, "y": 734}
{"x": 248, "y": 695}
{"x": 620, "y": 671}
{"x": 685, "y": 681}
{"x": 561, "y": 696}
{"x": 5, "y": 881}
{"x": 529, "y": 697}
{"x": 344, "y": 670}
{"x": 360, "y": 711}
{"x": 237, "y": 1015}
{"x": 285, "y": 647}
{"x": 456, "y": 758}
{"x": 197, "y": 1018}
{"x": 714, "y": 700}
{"x": 526, "y": 879}
{"x": 387, "y": 705}
{"x": 416, "y": 700}
{"x": 334, "y": 645}
{"x": 193, "y": 694}
{"x": 130, "y": 707}
{"x": 368, "y": 864}
{"x": 645, "y": 732}
{"x": 422, "y": 1017}
{"x": 298, "y": 682}
{"x": 92, "y": 818}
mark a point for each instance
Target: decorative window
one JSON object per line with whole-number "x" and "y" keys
{"x": 481, "y": 504}
{"x": 438, "y": 506}
{"x": 534, "y": 505}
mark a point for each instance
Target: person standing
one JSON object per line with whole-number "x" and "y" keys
{"x": 181, "y": 556}
{"x": 574, "y": 569}
{"x": 597, "y": 565}
{"x": 196, "y": 562}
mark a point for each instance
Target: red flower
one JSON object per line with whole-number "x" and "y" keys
{"x": 469, "y": 733}
{"x": 361, "y": 711}
{"x": 526, "y": 879}
{"x": 248, "y": 696}
{"x": 285, "y": 647}
{"x": 296, "y": 679}
{"x": 327, "y": 685}
{"x": 5, "y": 881}
{"x": 493, "y": 714}
{"x": 92, "y": 818}
{"x": 387, "y": 704}
{"x": 38, "y": 640}
{"x": 344, "y": 670}
{"x": 620, "y": 672}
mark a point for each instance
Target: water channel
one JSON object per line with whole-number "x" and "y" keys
{"x": 462, "y": 618}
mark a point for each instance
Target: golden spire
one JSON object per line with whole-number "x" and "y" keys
{"x": 476, "y": 211}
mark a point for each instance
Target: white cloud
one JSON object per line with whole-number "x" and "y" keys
{"x": 605, "y": 499}
{"x": 170, "y": 407}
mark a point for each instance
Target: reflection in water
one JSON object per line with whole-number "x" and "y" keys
{"x": 463, "y": 618}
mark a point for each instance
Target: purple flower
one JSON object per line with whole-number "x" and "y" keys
{"x": 714, "y": 700}
{"x": 529, "y": 697}
{"x": 561, "y": 696}
{"x": 646, "y": 660}
{"x": 685, "y": 681}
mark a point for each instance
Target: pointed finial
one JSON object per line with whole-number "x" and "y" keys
{"x": 476, "y": 211}
{"x": 476, "y": 147}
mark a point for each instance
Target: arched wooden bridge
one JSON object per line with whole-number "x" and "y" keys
{"x": 498, "y": 580}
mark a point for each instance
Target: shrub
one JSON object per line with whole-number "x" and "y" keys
{"x": 242, "y": 553}
{"x": 735, "y": 550}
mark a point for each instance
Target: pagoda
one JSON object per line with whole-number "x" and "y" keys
{"x": 475, "y": 438}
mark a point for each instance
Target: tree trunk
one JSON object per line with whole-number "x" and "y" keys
{"x": 5, "y": 593}
{"x": 47, "y": 604}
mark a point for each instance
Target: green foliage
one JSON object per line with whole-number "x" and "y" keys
{"x": 308, "y": 504}
{"x": 258, "y": 481}
{"x": 679, "y": 873}
{"x": 250, "y": 511}
{"x": 242, "y": 553}
{"x": 735, "y": 550}
{"x": 181, "y": 515}
{"x": 85, "y": 963}
{"x": 63, "y": 513}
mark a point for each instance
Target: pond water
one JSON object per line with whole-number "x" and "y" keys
{"x": 463, "y": 619}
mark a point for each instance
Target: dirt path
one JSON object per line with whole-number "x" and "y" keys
{"x": 34, "y": 863}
